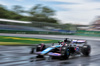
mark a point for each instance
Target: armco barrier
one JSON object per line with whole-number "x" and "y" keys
{"x": 34, "y": 32}
{"x": 88, "y": 33}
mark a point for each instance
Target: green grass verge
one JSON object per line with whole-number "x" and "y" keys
{"x": 9, "y": 40}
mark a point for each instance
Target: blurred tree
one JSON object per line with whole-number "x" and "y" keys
{"x": 18, "y": 9}
{"x": 47, "y": 11}
{"x": 3, "y": 11}
{"x": 69, "y": 26}
{"x": 37, "y": 13}
{"x": 34, "y": 11}
{"x": 42, "y": 14}
{"x": 8, "y": 14}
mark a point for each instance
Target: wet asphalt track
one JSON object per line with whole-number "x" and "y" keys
{"x": 19, "y": 56}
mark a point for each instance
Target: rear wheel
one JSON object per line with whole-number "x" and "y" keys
{"x": 40, "y": 48}
{"x": 86, "y": 49}
{"x": 65, "y": 53}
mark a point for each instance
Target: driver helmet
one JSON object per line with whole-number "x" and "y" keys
{"x": 67, "y": 40}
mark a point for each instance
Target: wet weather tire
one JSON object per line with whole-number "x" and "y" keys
{"x": 86, "y": 49}
{"x": 40, "y": 47}
{"x": 65, "y": 53}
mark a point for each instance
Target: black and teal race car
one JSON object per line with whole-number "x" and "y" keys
{"x": 63, "y": 50}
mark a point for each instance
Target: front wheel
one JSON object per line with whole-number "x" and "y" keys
{"x": 65, "y": 52}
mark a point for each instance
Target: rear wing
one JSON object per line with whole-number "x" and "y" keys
{"x": 79, "y": 41}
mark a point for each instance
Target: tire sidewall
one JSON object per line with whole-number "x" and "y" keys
{"x": 40, "y": 47}
{"x": 65, "y": 53}
{"x": 86, "y": 51}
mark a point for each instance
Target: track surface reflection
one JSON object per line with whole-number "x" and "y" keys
{"x": 19, "y": 56}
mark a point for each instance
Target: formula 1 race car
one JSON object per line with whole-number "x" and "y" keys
{"x": 64, "y": 49}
